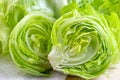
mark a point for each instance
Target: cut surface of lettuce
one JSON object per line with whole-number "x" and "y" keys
{"x": 30, "y": 43}
{"x": 83, "y": 44}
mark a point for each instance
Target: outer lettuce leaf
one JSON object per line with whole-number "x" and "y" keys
{"x": 30, "y": 43}
{"x": 104, "y": 6}
{"x": 107, "y": 6}
{"x": 69, "y": 7}
{"x": 14, "y": 10}
{"x": 4, "y": 35}
{"x": 83, "y": 43}
{"x": 56, "y": 6}
{"x": 114, "y": 24}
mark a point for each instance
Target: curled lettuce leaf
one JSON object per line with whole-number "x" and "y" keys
{"x": 30, "y": 43}
{"x": 83, "y": 44}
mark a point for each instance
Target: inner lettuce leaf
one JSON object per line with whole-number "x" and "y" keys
{"x": 30, "y": 43}
{"x": 83, "y": 43}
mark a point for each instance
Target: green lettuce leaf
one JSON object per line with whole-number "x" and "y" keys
{"x": 114, "y": 25}
{"x": 30, "y": 43}
{"x": 83, "y": 43}
{"x": 104, "y": 6}
{"x": 4, "y": 35}
{"x": 14, "y": 10}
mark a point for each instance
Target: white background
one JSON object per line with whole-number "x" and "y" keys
{"x": 8, "y": 71}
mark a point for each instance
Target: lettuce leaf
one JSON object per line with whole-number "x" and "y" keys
{"x": 4, "y": 35}
{"x": 14, "y": 10}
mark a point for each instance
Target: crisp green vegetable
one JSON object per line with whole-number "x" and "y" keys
{"x": 30, "y": 43}
{"x": 83, "y": 43}
{"x": 85, "y": 40}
